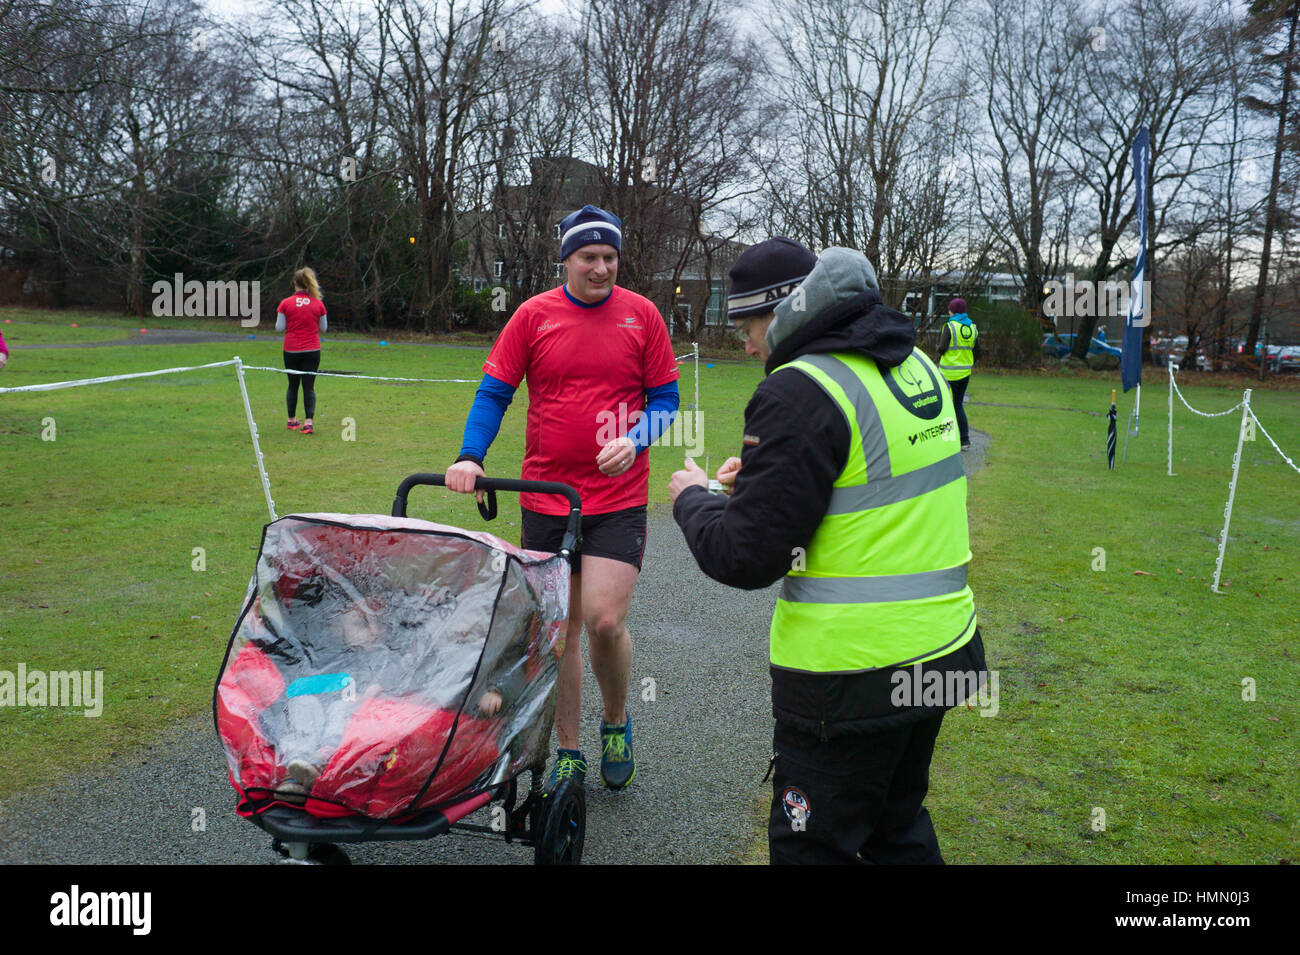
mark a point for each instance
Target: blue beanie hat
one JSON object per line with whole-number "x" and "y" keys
{"x": 590, "y": 226}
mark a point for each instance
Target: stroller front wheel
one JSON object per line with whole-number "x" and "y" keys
{"x": 565, "y": 826}
{"x": 310, "y": 853}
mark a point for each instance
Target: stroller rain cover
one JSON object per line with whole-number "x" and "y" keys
{"x": 383, "y": 665}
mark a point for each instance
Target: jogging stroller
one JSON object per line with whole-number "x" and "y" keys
{"x": 388, "y": 676}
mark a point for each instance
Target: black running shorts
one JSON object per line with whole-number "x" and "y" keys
{"x": 618, "y": 535}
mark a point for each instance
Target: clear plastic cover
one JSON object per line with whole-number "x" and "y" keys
{"x": 383, "y": 665}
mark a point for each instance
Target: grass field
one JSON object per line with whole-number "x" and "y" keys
{"x": 1119, "y": 691}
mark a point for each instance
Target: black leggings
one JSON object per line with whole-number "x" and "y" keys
{"x": 301, "y": 361}
{"x": 958, "y": 389}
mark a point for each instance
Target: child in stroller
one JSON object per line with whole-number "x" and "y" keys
{"x": 346, "y": 690}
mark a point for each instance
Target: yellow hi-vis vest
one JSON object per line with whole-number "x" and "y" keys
{"x": 956, "y": 363}
{"x": 883, "y": 581}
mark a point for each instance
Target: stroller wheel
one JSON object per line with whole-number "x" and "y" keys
{"x": 326, "y": 853}
{"x": 315, "y": 853}
{"x": 565, "y": 826}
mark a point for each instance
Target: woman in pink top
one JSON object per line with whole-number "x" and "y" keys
{"x": 4, "y": 352}
{"x": 301, "y": 317}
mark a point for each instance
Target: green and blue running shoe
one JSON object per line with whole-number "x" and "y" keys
{"x": 568, "y": 764}
{"x": 617, "y": 765}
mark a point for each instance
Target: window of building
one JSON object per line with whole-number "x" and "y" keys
{"x": 559, "y": 270}
{"x": 501, "y": 230}
{"x": 497, "y": 268}
{"x": 558, "y": 233}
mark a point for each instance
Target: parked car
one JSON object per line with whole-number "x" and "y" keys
{"x": 1058, "y": 346}
{"x": 1287, "y": 358}
{"x": 1163, "y": 348}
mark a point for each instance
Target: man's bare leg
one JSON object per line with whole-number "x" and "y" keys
{"x": 568, "y": 685}
{"x": 600, "y": 597}
{"x": 606, "y": 596}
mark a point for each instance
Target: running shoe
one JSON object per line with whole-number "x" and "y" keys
{"x": 568, "y": 764}
{"x": 293, "y": 424}
{"x": 305, "y": 429}
{"x": 617, "y": 766}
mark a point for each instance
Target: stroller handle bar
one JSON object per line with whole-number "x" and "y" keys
{"x": 489, "y": 512}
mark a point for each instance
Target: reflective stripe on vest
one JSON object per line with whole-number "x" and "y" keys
{"x": 958, "y": 360}
{"x": 883, "y": 581}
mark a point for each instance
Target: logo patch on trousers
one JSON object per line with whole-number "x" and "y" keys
{"x": 796, "y": 807}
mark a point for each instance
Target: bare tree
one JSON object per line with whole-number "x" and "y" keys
{"x": 1029, "y": 87}
{"x": 668, "y": 85}
{"x": 864, "y": 84}
{"x": 1153, "y": 63}
{"x": 447, "y": 56}
{"x": 1269, "y": 18}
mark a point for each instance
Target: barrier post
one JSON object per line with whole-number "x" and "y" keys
{"x": 1232, "y": 490}
{"x": 1169, "y": 468}
{"x": 695, "y": 346}
{"x": 252, "y": 430}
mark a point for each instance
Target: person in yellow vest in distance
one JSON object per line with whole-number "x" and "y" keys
{"x": 850, "y": 487}
{"x": 957, "y": 359}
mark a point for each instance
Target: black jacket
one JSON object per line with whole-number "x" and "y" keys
{"x": 796, "y": 443}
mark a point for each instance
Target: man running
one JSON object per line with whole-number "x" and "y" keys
{"x": 602, "y": 387}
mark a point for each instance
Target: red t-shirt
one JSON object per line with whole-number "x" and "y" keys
{"x": 301, "y": 322}
{"x": 587, "y": 370}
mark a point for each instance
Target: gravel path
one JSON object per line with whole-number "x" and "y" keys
{"x": 702, "y": 748}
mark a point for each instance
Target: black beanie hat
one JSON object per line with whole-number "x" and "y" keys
{"x": 590, "y": 226}
{"x": 765, "y": 275}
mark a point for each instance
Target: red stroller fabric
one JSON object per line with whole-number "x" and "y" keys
{"x": 372, "y": 649}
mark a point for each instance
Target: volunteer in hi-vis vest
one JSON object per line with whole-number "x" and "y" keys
{"x": 957, "y": 359}
{"x": 850, "y": 487}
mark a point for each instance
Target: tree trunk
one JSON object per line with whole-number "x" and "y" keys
{"x": 1270, "y": 217}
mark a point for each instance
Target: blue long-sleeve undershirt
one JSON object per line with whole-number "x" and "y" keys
{"x": 660, "y": 410}
{"x": 494, "y": 396}
{"x": 490, "y": 403}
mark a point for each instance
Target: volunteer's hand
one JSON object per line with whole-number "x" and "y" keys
{"x": 616, "y": 457}
{"x": 461, "y": 476}
{"x": 681, "y": 480}
{"x": 3, "y": 358}
{"x": 727, "y": 473}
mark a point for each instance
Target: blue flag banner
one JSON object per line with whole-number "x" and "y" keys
{"x": 1139, "y": 309}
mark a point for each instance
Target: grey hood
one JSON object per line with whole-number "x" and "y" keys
{"x": 838, "y": 308}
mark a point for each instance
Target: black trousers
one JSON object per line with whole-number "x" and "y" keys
{"x": 301, "y": 361}
{"x": 958, "y": 389}
{"x": 853, "y": 799}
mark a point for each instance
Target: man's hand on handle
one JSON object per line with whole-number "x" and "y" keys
{"x": 461, "y": 476}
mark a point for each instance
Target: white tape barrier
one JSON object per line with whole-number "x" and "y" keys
{"x": 56, "y": 385}
{"x": 240, "y": 368}
{"x": 1174, "y": 390}
{"x": 1260, "y": 425}
{"x": 336, "y": 374}
{"x": 1204, "y": 414}
{"x": 1248, "y": 417}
